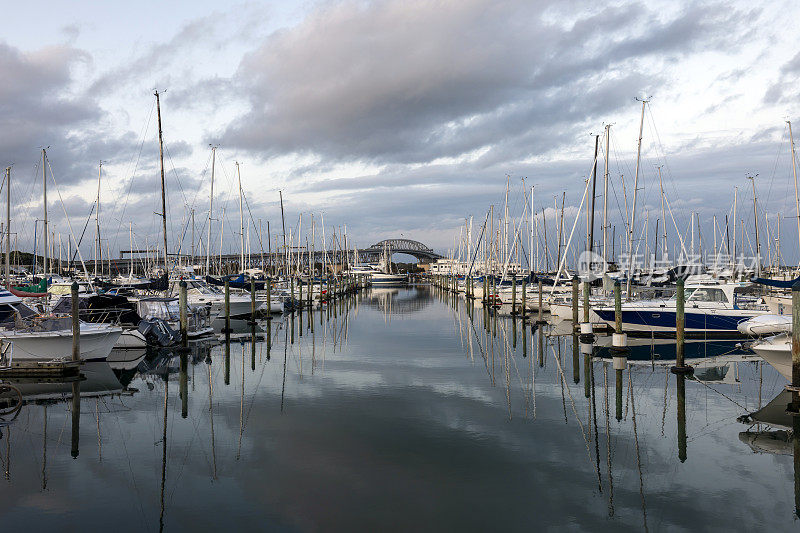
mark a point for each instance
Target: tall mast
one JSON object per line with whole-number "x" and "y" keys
{"x": 594, "y": 194}
{"x": 210, "y": 211}
{"x": 130, "y": 237}
{"x": 735, "y": 201}
{"x": 8, "y": 226}
{"x": 241, "y": 218}
{"x": 794, "y": 173}
{"x": 283, "y": 224}
{"x": 663, "y": 216}
{"x": 605, "y": 195}
{"x": 755, "y": 219}
{"x": 192, "y": 237}
{"x": 633, "y": 208}
{"x": 561, "y": 230}
{"x": 163, "y": 190}
{"x": 98, "y": 250}
{"x": 44, "y": 183}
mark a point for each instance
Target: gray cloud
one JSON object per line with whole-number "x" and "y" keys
{"x": 402, "y": 82}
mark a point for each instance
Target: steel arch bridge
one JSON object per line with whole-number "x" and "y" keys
{"x": 402, "y": 246}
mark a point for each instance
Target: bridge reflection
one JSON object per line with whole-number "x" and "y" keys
{"x": 397, "y": 300}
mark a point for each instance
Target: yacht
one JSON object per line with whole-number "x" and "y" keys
{"x": 710, "y": 309}
{"x": 33, "y": 336}
{"x": 200, "y": 293}
{"x": 777, "y": 351}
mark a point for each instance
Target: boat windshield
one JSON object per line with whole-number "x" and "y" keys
{"x": 202, "y": 288}
{"x": 708, "y": 294}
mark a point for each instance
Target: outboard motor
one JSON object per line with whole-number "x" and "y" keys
{"x": 157, "y": 332}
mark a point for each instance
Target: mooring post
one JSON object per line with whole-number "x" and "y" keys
{"x": 252, "y": 300}
{"x": 575, "y": 297}
{"x": 540, "y": 320}
{"x": 617, "y": 307}
{"x": 795, "y": 343}
{"x": 680, "y": 364}
{"x": 586, "y": 291}
{"x": 485, "y": 289}
{"x": 619, "y": 340}
{"x": 514, "y": 295}
{"x": 184, "y": 318}
{"x": 76, "y": 325}
{"x": 524, "y": 289}
{"x": 299, "y": 293}
{"x": 587, "y": 333}
{"x": 227, "y": 331}
{"x": 269, "y": 298}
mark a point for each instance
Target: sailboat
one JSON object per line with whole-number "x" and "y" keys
{"x": 33, "y": 336}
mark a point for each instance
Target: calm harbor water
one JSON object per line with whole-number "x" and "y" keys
{"x": 401, "y": 410}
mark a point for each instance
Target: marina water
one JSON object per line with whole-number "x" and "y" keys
{"x": 401, "y": 409}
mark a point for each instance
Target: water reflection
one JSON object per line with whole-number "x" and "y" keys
{"x": 341, "y": 419}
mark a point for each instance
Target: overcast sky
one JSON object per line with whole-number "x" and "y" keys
{"x": 396, "y": 117}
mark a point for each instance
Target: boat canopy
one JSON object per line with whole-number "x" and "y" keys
{"x": 776, "y": 282}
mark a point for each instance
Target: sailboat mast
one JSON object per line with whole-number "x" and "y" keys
{"x": 210, "y": 210}
{"x": 44, "y": 183}
{"x": 97, "y": 251}
{"x": 794, "y": 173}
{"x": 633, "y": 208}
{"x": 241, "y": 218}
{"x": 605, "y": 195}
{"x": 163, "y": 190}
{"x": 755, "y": 220}
{"x": 130, "y": 237}
{"x": 594, "y": 194}
{"x": 735, "y": 201}
{"x": 663, "y": 216}
{"x": 8, "y": 226}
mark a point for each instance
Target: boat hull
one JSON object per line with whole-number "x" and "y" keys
{"x": 663, "y": 320}
{"x": 95, "y": 344}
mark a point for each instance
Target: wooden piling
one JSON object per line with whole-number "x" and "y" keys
{"x": 227, "y": 331}
{"x": 76, "y": 325}
{"x": 252, "y": 300}
{"x": 575, "y": 282}
{"x": 540, "y": 320}
{"x": 514, "y": 295}
{"x": 586, "y": 291}
{"x": 796, "y": 342}
{"x": 269, "y": 298}
{"x": 184, "y": 318}
{"x": 617, "y": 307}
{"x": 680, "y": 364}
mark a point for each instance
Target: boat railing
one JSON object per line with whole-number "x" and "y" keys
{"x": 38, "y": 323}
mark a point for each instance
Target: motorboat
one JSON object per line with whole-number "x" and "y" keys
{"x": 777, "y": 351}
{"x": 709, "y": 309}
{"x": 198, "y": 318}
{"x": 200, "y": 293}
{"x": 34, "y": 336}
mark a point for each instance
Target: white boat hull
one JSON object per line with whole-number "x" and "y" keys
{"x": 96, "y": 342}
{"x": 777, "y": 351}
